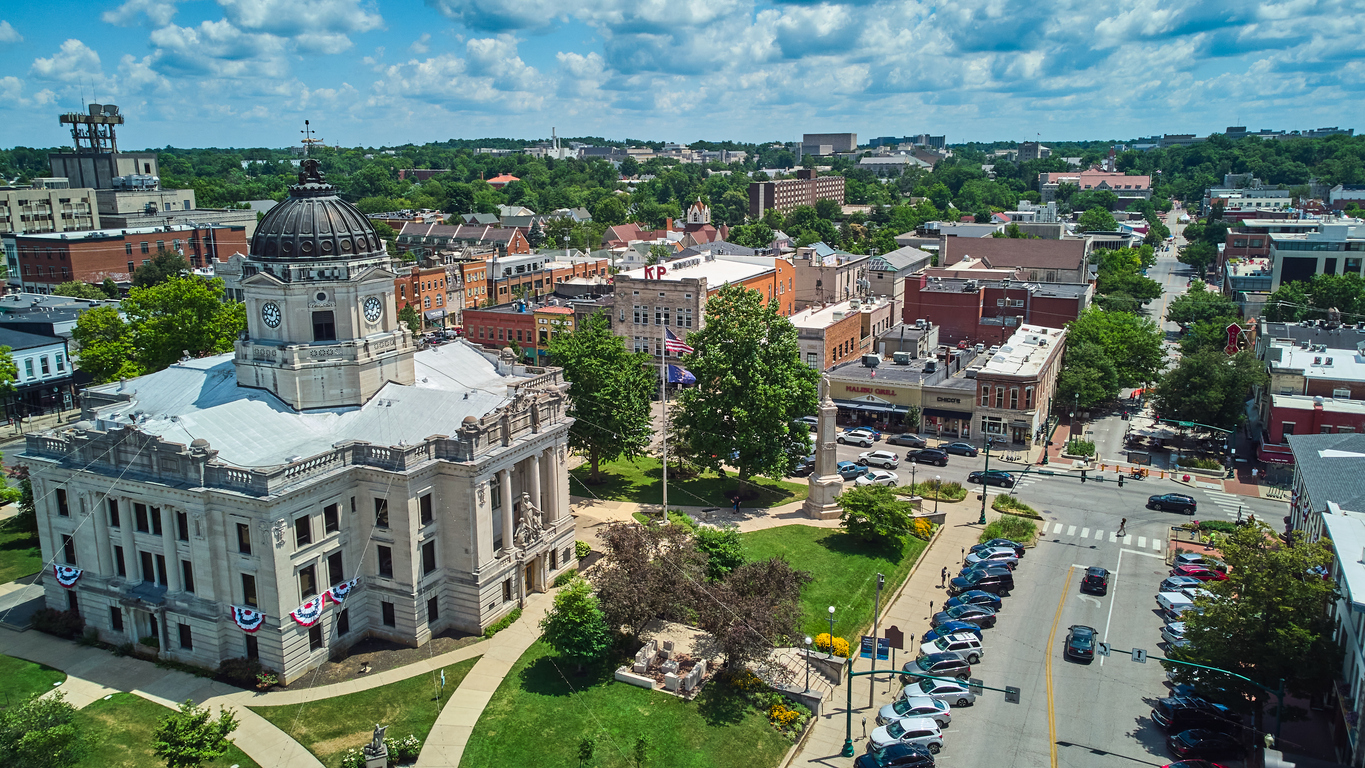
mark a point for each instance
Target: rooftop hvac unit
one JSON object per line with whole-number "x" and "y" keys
{"x": 872, "y": 361}
{"x": 901, "y": 358}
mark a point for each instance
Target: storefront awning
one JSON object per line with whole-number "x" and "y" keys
{"x": 941, "y": 413}
{"x": 854, "y": 405}
{"x": 434, "y": 314}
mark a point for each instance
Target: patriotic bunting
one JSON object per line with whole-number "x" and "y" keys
{"x": 338, "y": 592}
{"x": 308, "y": 614}
{"x": 248, "y": 619}
{"x": 66, "y": 575}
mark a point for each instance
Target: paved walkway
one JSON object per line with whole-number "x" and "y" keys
{"x": 909, "y": 611}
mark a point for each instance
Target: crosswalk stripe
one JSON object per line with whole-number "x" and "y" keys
{"x": 1142, "y": 542}
{"x": 1058, "y": 529}
{"x": 1085, "y": 533}
{"x": 1127, "y": 539}
{"x": 1099, "y": 534}
{"x": 1071, "y": 531}
{"x": 1113, "y": 537}
{"x": 1156, "y": 544}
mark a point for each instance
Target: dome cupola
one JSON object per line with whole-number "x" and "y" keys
{"x": 315, "y": 226}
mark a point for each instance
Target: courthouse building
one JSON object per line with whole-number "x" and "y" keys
{"x": 323, "y": 483}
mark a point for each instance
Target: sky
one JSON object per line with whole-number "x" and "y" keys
{"x": 247, "y": 73}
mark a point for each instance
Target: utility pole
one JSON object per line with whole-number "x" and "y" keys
{"x": 876, "y": 617}
{"x": 985, "y": 475}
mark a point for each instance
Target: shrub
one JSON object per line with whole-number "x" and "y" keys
{"x": 503, "y": 623}
{"x": 679, "y": 517}
{"x": 1221, "y": 526}
{"x": 1013, "y": 506}
{"x": 242, "y": 672}
{"x": 403, "y": 750}
{"x": 1010, "y": 527}
{"x": 90, "y": 638}
{"x": 950, "y": 490}
{"x": 565, "y": 577}
{"x": 65, "y": 624}
{"x": 921, "y": 529}
{"x": 150, "y": 641}
{"x": 581, "y": 549}
{"x": 822, "y": 643}
{"x": 1195, "y": 462}
{"x": 1078, "y": 447}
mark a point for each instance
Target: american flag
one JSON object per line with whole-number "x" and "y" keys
{"x": 675, "y": 345}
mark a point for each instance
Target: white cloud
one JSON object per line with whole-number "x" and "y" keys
{"x": 73, "y": 62}
{"x": 9, "y": 34}
{"x": 157, "y": 12}
{"x": 422, "y": 44}
{"x": 301, "y": 18}
{"x": 217, "y": 49}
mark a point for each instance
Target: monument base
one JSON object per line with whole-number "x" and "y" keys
{"x": 821, "y": 502}
{"x": 377, "y": 761}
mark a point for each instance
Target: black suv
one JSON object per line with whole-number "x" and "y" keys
{"x": 1181, "y": 713}
{"x": 1172, "y": 502}
{"x": 1095, "y": 581}
{"x": 896, "y": 756}
{"x": 928, "y": 456}
{"x": 996, "y": 583}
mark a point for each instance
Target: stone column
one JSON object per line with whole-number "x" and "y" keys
{"x": 533, "y": 470}
{"x": 132, "y": 564}
{"x": 168, "y": 549}
{"x": 508, "y": 506}
{"x": 104, "y": 548}
{"x": 550, "y": 493}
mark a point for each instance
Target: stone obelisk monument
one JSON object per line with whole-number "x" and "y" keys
{"x": 825, "y": 482}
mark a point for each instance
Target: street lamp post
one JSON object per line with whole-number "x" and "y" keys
{"x": 808, "y": 664}
{"x": 985, "y": 475}
{"x": 912, "y": 475}
{"x": 831, "y": 630}
{"x": 937, "y": 482}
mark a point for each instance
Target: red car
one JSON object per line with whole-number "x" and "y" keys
{"x": 1192, "y": 764}
{"x": 1199, "y": 572}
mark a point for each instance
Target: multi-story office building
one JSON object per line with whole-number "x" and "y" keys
{"x": 1334, "y": 249}
{"x": 786, "y": 194}
{"x": 47, "y": 205}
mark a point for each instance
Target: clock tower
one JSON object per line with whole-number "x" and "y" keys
{"x": 322, "y": 324}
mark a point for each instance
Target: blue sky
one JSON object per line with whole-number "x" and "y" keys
{"x": 248, "y": 72}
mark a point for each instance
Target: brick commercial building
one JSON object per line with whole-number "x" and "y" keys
{"x": 829, "y": 335}
{"x": 536, "y": 274}
{"x": 424, "y": 238}
{"x": 786, "y": 194}
{"x": 825, "y": 275}
{"x": 500, "y": 326}
{"x": 1044, "y": 261}
{"x": 1127, "y": 188}
{"x": 427, "y": 290}
{"x": 90, "y": 257}
{"x": 988, "y": 311}
{"x": 674, "y": 295}
{"x": 1317, "y": 383}
{"x": 1016, "y": 385}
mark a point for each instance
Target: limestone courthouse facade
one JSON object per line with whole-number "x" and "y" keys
{"x": 323, "y": 483}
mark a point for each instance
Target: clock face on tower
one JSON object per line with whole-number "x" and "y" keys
{"x": 373, "y": 309}
{"x": 270, "y": 313}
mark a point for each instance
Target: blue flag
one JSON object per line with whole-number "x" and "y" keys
{"x": 680, "y": 375}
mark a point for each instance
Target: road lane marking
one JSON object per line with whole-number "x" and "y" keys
{"x": 1156, "y": 544}
{"x": 1085, "y": 533}
{"x": 1058, "y": 529}
{"x": 1051, "y": 638}
{"x": 1113, "y": 538}
{"x": 1127, "y": 539}
{"x": 1099, "y": 534}
{"x": 1071, "y": 531}
{"x": 1142, "y": 542}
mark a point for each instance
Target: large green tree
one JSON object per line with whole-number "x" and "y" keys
{"x": 40, "y": 733}
{"x": 162, "y": 267}
{"x": 192, "y": 736}
{"x": 1089, "y": 372}
{"x": 78, "y": 290}
{"x": 182, "y": 315}
{"x": 1269, "y": 621}
{"x": 105, "y": 345}
{"x": 1097, "y": 220}
{"x": 610, "y": 390}
{"x": 1198, "y": 304}
{"x": 575, "y": 625}
{"x": 1198, "y": 255}
{"x": 751, "y": 388}
{"x": 1133, "y": 343}
{"x": 875, "y": 513}
{"x": 1210, "y": 387}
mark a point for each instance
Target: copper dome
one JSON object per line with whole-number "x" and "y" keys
{"x": 314, "y": 224}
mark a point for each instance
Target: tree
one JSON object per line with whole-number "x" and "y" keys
{"x": 1098, "y": 220}
{"x": 1088, "y": 371}
{"x": 1210, "y": 387}
{"x": 109, "y": 288}
{"x": 40, "y": 733}
{"x": 1134, "y": 344}
{"x": 645, "y": 573}
{"x": 756, "y": 607}
{"x": 575, "y": 626}
{"x": 27, "y": 519}
{"x": 610, "y": 390}
{"x": 630, "y": 167}
{"x": 1143, "y": 289}
{"x": 751, "y": 387}
{"x": 659, "y": 252}
{"x": 79, "y": 290}
{"x": 1198, "y": 304}
{"x": 1198, "y": 255}
{"x": 826, "y": 208}
{"x": 191, "y": 737}
{"x": 105, "y": 347}
{"x": 536, "y": 236}
{"x": 410, "y": 317}
{"x": 162, "y": 267}
{"x": 874, "y": 513}
{"x": 1268, "y": 621}
{"x": 724, "y": 550}
{"x": 181, "y": 315}
{"x": 610, "y": 211}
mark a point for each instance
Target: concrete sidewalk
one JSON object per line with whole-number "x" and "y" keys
{"x": 909, "y": 611}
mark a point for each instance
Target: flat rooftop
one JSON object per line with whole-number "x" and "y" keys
{"x": 1249, "y": 267}
{"x": 1344, "y": 364}
{"x": 1329, "y": 404}
{"x": 822, "y": 317}
{"x": 1026, "y": 351}
{"x": 717, "y": 271}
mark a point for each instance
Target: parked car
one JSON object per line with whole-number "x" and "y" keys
{"x": 1018, "y": 548}
{"x": 805, "y": 467}
{"x": 849, "y": 471}
{"x": 1173, "y": 502}
{"x": 810, "y": 421}
{"x": 964, "y": 644}
{"x": 1173, "y": 632}
{"x": 1179, "y": 584}
{"x": 973, "y": 614}
{"x": 999, "y": 583}
{"x": 961, "y": 449}
{"x": 955, "y": 694}
{"x": 1194, "y": 558}
{"x": 915, "y": 706}
{"x": 928, "y": 456}
{"x": 1199, "y": 572}
{"x": 992, "y": 477}
{"x": 896, "y": 756}
{"x": 997, "y": 568}
{"x": 1080, "y": 643}
{"x": 1002, "y": 555}
{"x": 1095, "y": 581}
{"x": 885, "y": 459}
{"x": 878, "y": 477}
{"x": 1181, "y": 713}
{"x": 908, "y": 440}
{"x": 910, "y": 730}
{"x": 857, "y": 437}
{"x": 949, "y": 628}
{"x": 975, "y": 597}
{"x": 942, "y": 664}
{"x": 1206, "y": 744}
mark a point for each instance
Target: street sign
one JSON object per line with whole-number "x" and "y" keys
{"x": 1011, "y": 694}
{"x": 1139, "y": 655}
{"x": 867, "y": 645}
{"x": 883, "y": 649}
{"x": 895, "y": 638}
{"x": 974, "y": 685}
{"x": 1104, "y": 649}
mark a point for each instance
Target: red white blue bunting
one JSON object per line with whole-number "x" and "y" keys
{"x": 308, "y": 614}
{"x": 248, "y": 619}
{"x": 338, "y": 592}
{"x": 66, "y": 575}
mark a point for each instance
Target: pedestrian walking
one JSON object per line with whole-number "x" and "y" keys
{"x": 943, "y": 577}
{"x": 736, "y": 505}
{"x": 931, "y": 609}
{"x": 1123, "y": 523}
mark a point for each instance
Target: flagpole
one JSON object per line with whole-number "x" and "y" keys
{"x": 663, "y": 398}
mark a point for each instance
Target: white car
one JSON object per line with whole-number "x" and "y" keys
{"x": 911, "y": 730}
{"x": 877, "y": 477}
{"x": 997, "y": 555}
{"x": 857, "y": 437}
{"x": 953, "y": 694}
{"x": 885, "y": 459}
{"x": 1173, "y": 632}
{"x": 964, "y": 644}
{"x": 915, "y": 706}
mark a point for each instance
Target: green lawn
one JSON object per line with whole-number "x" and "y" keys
{"x": 845, "y": 570}
{"x": 119, "y": 735}
{"x": 19, "y": 553}
{"x": 329, "y": 727}
{"x": 641, "y": 481}
{"x": 25, "y": 678}
{"x": 536, "y": 719}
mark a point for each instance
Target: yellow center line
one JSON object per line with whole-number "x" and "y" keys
{"x": 1052, "y": 636}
